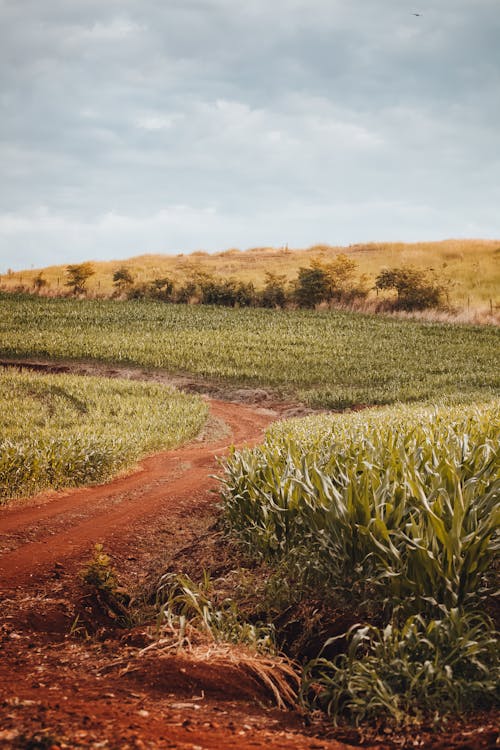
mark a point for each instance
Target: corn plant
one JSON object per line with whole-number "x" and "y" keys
{"x": 402, "y": 504}
{"x": 330, "y": 359}
{"x": 422, "y": 668}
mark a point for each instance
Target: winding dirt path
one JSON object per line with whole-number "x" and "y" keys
{"x": 57, "y": 527}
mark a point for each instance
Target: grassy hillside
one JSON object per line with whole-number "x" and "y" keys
{"x": 473, "y": 266}
{"x": 327, "y": 358}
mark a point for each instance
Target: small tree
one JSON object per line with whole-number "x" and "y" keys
{"x": 312, "y": 285}
{"x": 122, "y": 279}
{"x": 343, "y": 283}
{"x": 162, "y": 289}
{"x": 245, "y": 295}
{"x": 187, "y": 293}
{"x": 78, "y": 275}
{"x": 415, "y": 289}
{"x": 218, "y": 292}
{"x": 274, "y": 292}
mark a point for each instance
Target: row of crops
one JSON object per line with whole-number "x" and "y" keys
{"x": 62, "y": 430}
{"x": 326, "y": 358}
{"x": 394, "y": 513}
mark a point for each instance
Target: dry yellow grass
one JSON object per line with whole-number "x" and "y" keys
{"x": 473, "y": 266}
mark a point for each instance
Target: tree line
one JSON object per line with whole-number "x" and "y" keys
{"x": 321, "y": 283}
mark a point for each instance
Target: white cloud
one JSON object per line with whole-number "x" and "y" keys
{"x": 115, "y": 30}
{"x": 158, "y": 122}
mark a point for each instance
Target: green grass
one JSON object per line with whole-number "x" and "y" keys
{"x": 60, "y": 430}
{"x": 331, "y": 359}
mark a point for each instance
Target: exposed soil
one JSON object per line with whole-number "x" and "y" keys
{"x": 62, "y": 678}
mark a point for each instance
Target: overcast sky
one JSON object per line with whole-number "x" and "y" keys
{"x": 134, "y": 126}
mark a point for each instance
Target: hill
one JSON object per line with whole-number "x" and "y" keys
{"x": 471, "y": 266}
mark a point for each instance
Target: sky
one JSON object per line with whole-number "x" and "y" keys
{"x": 166, "y": 126}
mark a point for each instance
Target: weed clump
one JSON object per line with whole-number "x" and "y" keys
{"x": 101, "y": 577}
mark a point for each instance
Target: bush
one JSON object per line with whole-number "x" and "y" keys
{"x": 326, "y": 282}
{"x": 227, "y": 293}
{"x": 312, "y": 285}
{"x": 186, "y": 293}
{"x": 39, "y": 282}
{"x": 415, "y": 289}
{"x": 274, "y": 292}
{"x": 122, "y": 279}
{"x": 161, "y": 289}
{"x": 343, "y": 284}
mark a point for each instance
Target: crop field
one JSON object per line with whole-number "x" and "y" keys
{"x": 330, "y": 359}
{"x": 401, "y": 488}
{"x": 60, "y": 430}
{"x": 396, "y": 513}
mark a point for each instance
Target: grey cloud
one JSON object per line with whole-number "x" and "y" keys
{"x": 127, "y": 109}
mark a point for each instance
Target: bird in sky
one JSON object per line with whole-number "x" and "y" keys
{"x": 417, "y": 14}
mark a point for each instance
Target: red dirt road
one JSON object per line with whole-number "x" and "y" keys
{"x": 60, "y": 526}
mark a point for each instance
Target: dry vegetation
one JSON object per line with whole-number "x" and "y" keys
{"x": 471, "y": 266}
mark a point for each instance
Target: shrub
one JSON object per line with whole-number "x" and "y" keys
{"x": 343, "y": 284}
{"x": 274, "y": 292}
{"x": 227, "y": 293}
{"x": 415, "y": 289}
{"x": 39, "y": 282}
{"x": 325, "y": 282}
{"x": 312, "y": 285}
{"x": 122, "y": 279}
{"x": 186, "y": 293}
{"x": 162, "y": 289}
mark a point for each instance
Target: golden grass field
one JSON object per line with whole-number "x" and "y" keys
{"x": 472, "y": 266}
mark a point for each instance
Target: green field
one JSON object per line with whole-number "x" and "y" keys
{"x": 60, "y": 430}
{"x": 393, "y": 499}
{"x": 327, "y": 358}
{"x": 392, "y": 515}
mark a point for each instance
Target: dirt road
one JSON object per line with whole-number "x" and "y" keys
{"x": 58, "y": 527}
